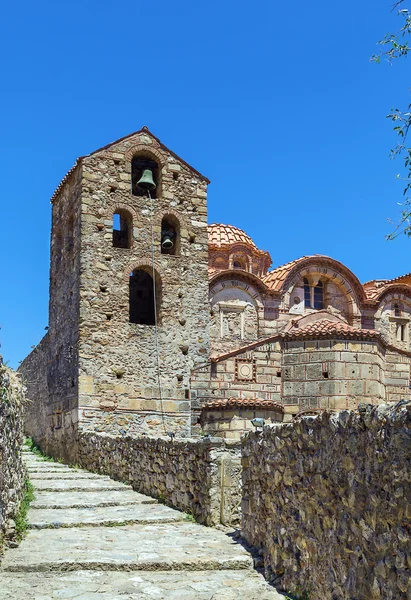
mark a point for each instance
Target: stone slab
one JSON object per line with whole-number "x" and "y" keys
{"x": 160, "y": 585}
{"x": 66, "y": 476}
{"x": 78, "y": 485}
{"x": 89, "y": 499}
{"x": 172, "y": 546}
{"x": 39, "y": 518}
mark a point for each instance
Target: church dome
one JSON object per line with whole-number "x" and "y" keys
{"x": 227, "y": 235}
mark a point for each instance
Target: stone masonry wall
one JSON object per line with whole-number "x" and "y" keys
{"x": 118, "y": 367}
{"x": 327, "y": 499}
{"x": 198, "y": 477}
{"x": 12, "y": 471}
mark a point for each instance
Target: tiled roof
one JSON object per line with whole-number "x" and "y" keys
{"x": 374, "y": 288}
{"x": 227, "y": 235}
{"x": 244, "y": 403}
{"x": 325, "y": 328}
{"x": 274, "y": 279}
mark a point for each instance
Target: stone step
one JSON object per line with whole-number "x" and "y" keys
{"x": 48, "y": 465}
{"x": 78, "y": 485}
{"x": 43, "y": 518}
{"x": 67, "y": 475}
{"x": 163, "y": 547}
{"x": 51, "y": 469}
{"x": 89, "y": 499}
{"x": 160, "y": 585}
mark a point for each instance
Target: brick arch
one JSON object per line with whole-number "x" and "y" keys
{"x": 331, "y": 270}
{"x": 182, "y": 219}
{"x": 145, "y": 263}
{"x": 144, "y": 149}
{"x": 123, "y": 206}
{"x": 396, "y": 293}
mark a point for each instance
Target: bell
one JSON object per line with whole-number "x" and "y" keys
{"x": 146, "y": 181}
{"x": 167, "y": 242}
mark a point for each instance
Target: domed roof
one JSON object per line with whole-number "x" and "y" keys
{"x": 227, "y": 235}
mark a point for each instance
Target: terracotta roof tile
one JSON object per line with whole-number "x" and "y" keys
{"x": 275, "y": 278}
{"x": 227, "y": 235}
{"x": 244, "y": 403}
{"x": 326, "y": 328}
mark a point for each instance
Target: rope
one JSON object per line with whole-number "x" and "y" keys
{"x": 160, "y": 389}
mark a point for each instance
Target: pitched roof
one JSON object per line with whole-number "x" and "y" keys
{"x": 142, "y": 130}
{"x": 324, "y": 328}
{"x": 244, "y": 403}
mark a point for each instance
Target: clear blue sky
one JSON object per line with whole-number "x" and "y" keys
{"x": 276, "y": 102}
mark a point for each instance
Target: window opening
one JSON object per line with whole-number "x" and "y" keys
{"x": 307, "y": 294}
{"x": 141, "y": 298}
{"x": 397, "y": 312}
{"x": 122, "y": 229}
{"x": 170, "y": 236}
{"x": 138, "y": 165}
{"x": 319, "y": 296}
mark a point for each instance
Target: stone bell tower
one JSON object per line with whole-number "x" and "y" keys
{"x": 129, "y": 314}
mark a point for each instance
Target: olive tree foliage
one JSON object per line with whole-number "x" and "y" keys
{"x": 395, "y": 45}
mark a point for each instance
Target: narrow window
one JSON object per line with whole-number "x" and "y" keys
{"x": 138, "y": 165}
{"x": 122, "y": 229}
{"x": 170, "y": 235}
{"x": 307, "y": 294}
{"x": 141, "y": 298}
{"x": 397, "y": 312}
{"x": 403, "y": 333}
{"x": 319, "y": 296}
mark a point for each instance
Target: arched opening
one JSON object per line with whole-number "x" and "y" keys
{"x": 307, "y": 294}
{"x": 170, "y": 235}
{"x": 239, "y": 262}
{"x": 139, "y": 164}
{"x": 319, "y": 296}
{"x": 122, "y": 229}
{"x": 141, "y": 298}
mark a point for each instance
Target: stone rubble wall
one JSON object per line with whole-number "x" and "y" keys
{"x": 12, "y": 471}
{"x": 201, "y": 477}
{"x": 327, "y": 500}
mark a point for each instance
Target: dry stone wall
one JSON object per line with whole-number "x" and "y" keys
{"x": 12, "y": 472}
{"x": 327, "y": 499}
{"x": 201, "y": 477}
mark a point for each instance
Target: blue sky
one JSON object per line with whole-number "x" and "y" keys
{"x": 277, "y": 103}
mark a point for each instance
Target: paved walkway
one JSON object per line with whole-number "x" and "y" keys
{"x": 91, "y": 538}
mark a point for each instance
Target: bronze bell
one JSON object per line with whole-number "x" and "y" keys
{"x": 167, "y": 242}
{"x": 146, "y": 181}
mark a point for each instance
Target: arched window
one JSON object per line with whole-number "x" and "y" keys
{"x": 313, "y": 295}
{"x": 122, "y": 229}
{"x": 319, "y": 296}
{"x": 307, "y": 294}
{"x": 170, "y": 235}
{"x": 141, "y": 298}
{"x": 139, "y": 164}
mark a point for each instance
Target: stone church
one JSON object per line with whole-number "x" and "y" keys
{"x": 161, "y": 323}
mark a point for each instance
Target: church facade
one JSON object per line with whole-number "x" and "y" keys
{"x": 161, "y": 323}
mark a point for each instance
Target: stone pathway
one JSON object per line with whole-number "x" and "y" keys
{"x": 93, "y": 538}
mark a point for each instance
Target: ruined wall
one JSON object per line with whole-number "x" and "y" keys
{"x": 198, "y": 477}
{"x": 34, "y": 370}
{"x": 118, "y": 361}
{"x": 50, "y": 371}
{"x": 327, "y": 499}
{"x": 12, "y": 471}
